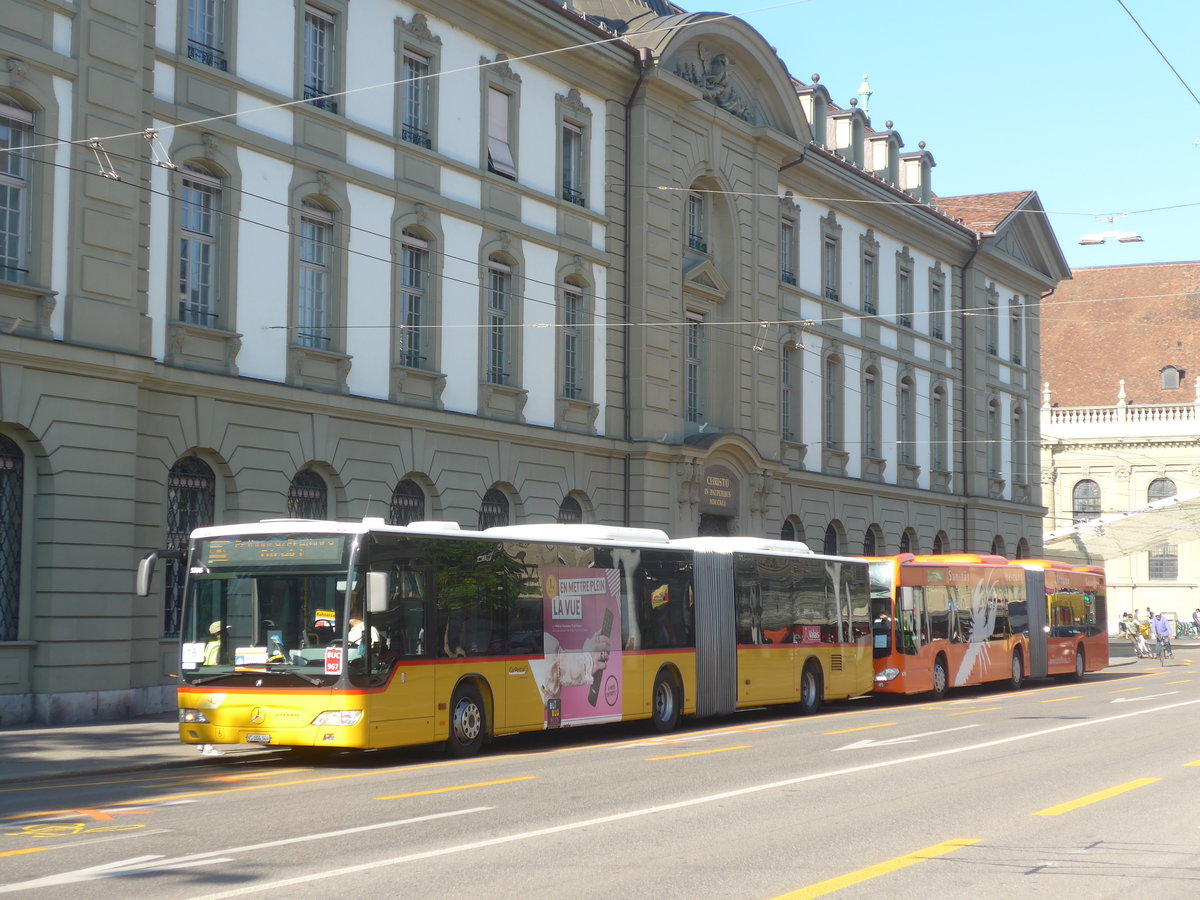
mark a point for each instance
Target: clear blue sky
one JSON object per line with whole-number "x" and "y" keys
{"x": 1065, "y": 97}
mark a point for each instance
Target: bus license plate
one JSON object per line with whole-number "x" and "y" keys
{"x": 258, "y": 738}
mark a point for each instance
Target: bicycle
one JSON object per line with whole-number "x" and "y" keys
{"x": 1164, "y": 649}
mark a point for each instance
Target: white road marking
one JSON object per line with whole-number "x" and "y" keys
{"x": 140, "y": 865}
{"x": 1139, "y": 699}
{"x": 907, "y": 739}
{"x": 666, "y": 807}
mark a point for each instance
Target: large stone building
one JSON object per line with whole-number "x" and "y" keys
{"x": 1120, "y": 426}
{"x": 417, "y": 260}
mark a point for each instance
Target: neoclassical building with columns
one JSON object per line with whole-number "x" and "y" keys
{"x": 337, "y": 259}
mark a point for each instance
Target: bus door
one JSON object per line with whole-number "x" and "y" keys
{"x": 401, "y": 675}
{"x": 912, "y": 629}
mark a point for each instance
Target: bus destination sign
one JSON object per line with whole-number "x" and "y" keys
{"x": 311, "y": 550}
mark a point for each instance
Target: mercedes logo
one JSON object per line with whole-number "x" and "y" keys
{"x": 258, "y": 716}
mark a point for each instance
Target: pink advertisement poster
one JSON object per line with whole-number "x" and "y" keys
{"x": 580, "y": 673}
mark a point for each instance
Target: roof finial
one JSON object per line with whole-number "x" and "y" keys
{"x": 865, "y": 92}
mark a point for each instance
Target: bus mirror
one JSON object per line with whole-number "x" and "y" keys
{"x": 145, "y": 574}
{"x": 377, "y": 592}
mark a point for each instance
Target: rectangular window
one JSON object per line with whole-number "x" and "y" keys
{"x": 313, "y": 309}
{"x": 906, "y": 422}
{"x": 693, "y": 369}
{"x": 904, "y": 298}
{"x": 199, "y": 214}
{"x": 572, "y": 370}
{"x": 1015, "y": 330}
{"x": 499, "y": 307}
{"x": 318, "y": 58}
{"x": 695, "y": 219}
{"x": 829, "y": 268}
{"x": 572, "y": 164}
{"x": 937, "y": 426}
{"x": 787, "y": 251}
{"x": 206, "y": 32}
{"x": 937, "y": 307}
{"x": 414, "y": 100}
{"x": 500, "y": 155}
{"x": 16, "y": 129}
{"x": 833, "y": 393}
{"x": 870, "y": 288}
{"x": 870, "y": 404}
{"x": 992, "y": 325}
{"x": 1164, "y": 563}
{"x": 414, "y": 263}
{"x": 786, "y": 379}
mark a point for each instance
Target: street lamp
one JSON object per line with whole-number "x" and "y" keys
{"x": 1123, "y": 237}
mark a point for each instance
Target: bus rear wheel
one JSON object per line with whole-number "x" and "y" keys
{"x": 941, "y": 679}
{"x": 811, "y": 689}
{"x": 1017, "y": 678}
{"x": 664, "y": 710}
{"x": 468, "y": 723}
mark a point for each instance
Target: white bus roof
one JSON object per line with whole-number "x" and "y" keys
{"x": 745, "y": 545}
{"x": 553, "y": 532}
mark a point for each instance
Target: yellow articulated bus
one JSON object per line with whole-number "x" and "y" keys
{"x": 300, "y": 633}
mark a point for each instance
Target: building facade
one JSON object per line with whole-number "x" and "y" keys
{"x": 1119, "y": 431}
{"x": 528, "y": 261}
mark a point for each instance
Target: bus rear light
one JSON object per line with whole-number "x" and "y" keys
{"x": 192, "y": 717}
{"x": 886, "y": 675}
{"x": 339, "y": 717}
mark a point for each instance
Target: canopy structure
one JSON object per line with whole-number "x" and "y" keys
{"x": 1172, "y": 520}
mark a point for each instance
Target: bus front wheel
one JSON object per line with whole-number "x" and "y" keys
{"x": 810, "y": 689}
{"x": 468, "y": 723}
{"x": 664, "y": 710}
{"x": 941, "y": 679}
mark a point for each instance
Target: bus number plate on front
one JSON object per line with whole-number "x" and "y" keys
{"x": 258, "y": 738}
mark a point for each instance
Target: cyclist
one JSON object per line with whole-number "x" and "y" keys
{"x": 1162, "y": 633}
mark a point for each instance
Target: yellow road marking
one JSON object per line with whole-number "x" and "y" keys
{"x": 821, "y": 888}
{"x": 1058, "y": 699}
{"x": 1095, "y": 798}
{"x": 26, "y": 850}
{"x": 1185, "y": 681}
{"x": 862, "y": 728}
{"x": 459, "y": 787}
{"x": 1196, "y": 763}
{"x": 696, "y": 753}
{"x": 1125, "y": 690}
{"x": 971, "y": 712}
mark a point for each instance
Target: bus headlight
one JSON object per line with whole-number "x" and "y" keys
{"x": 885, "y": 675}
{"x": 339, "y": 717}
{"x": 192, "y": 717}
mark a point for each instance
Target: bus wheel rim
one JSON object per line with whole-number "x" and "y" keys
{"x": 467, "y": 720}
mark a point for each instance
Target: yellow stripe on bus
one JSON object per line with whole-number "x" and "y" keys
{"x": 458, "y": 787}
{"x": 1095, "y": 798}
{"x": 821, "y": 888}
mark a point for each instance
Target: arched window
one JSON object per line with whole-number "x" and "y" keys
{"x": 1085, "y": 501}
{"x": 307, "y": 496}
{"x": 12, "y": 496}
{"x": 570, "y": 512}
{"x": 908, "y": 541}
{"x": 1160, "y": 489}
{"x": 1022, "y": 549}
{"x": 788, "y": 531}
{"x": 872, "y": 541}
{"x": 998, "y": 546}
{"x": 831, "y": 539}
{"x": 939, "y": 543}
{"x": 493, "y": 510}
{"x": 408, "y": 503}
{"x": 191, "y": 503}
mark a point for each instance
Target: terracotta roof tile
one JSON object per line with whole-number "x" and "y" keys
{"x": 1122, "y": 322}
{"x": 983, "y": 212}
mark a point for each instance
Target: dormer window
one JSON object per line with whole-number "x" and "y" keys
{"x": 1171, "y": 377}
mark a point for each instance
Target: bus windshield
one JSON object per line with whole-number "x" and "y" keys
{"x": 273, "y": 604}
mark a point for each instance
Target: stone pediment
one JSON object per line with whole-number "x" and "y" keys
{"x": 703, "y": 280}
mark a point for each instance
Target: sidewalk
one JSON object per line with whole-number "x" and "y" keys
{"x": 36, "y": 752}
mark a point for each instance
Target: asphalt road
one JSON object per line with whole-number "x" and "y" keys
{"x": 1081, "y": 790}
